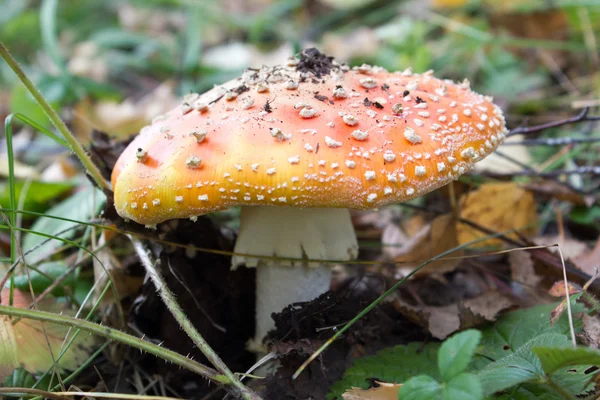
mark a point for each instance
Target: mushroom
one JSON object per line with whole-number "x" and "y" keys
{"x": 296, "y": 157}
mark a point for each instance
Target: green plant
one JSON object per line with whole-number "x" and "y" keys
{"x": 453, "y": 358}
{"x": 521, "y": 356}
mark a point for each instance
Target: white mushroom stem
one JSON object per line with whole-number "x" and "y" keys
{"x": 299, "y": 233}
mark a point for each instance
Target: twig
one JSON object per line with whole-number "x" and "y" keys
{"x": 56, "y": 120}
{"x": 563, "y": 141}
{"x": 169, "y": 299}
{"x": 581, "y": 117}
{"x": 582, "y": 170}
{"x": 19, "y": 391}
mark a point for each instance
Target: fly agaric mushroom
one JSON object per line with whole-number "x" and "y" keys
{"x": 297, "y": 146}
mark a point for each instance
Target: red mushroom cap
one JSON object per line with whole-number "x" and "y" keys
{"x": 312, "y": 133}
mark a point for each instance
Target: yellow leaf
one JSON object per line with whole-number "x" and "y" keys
{"x": 39, "y": 344}
{"x": 499, "y": 207}
{"x": 385, "y": 391}
{"x": 435, "y": 238}
{"x": 8, "y": 348}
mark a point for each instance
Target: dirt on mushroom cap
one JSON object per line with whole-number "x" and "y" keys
{"x": 312, "y": 133}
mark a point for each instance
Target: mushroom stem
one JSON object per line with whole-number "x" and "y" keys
{"x": 302, "y": 234}
{"x": 278, "y": 286}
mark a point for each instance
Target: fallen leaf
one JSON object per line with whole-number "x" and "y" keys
{"x": 385, "y": 391}
{"x": 570, "y": 248}
{"x": 559, "y": 191}
{"x": 435, "y": 238}
{"x": 107, "y": 266}
{"x": 440, "y": 322}
{"x": 32, "y": 337}
{"x": 499, "y": 207}
{"x": 522, "y": 269}
{"x": 498, "y": 164}
{"x": 558, "y": 289}
{"x": 590, "y": 334}
{"x": 589, "y": 261}
{"x": 8, "y": 348}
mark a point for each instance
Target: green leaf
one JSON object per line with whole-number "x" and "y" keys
{"x": 555, "y": 358}
{"x": 463, "y": 387}
{"x": 513, "y": 330}
{"x": 522, "y": 366}
{"x": 396, "y": 364}
{"x": 456, "y": 353}
{"x": 37, "y": 196}
{"x": 530, "y": 391}
{"x": 23, "y": 102}
{"x": 422, "y": 387}
{"x": 82, "y": 206}
{"x": 585, "y": 215}
{"x": 43, "y": 276}
{"x": 503, "y": 338}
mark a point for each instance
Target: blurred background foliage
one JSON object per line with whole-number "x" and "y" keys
{"x": 113, "y": 65}
{"x": 517, "y": 50}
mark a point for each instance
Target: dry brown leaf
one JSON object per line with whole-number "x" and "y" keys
{"x": 522, "y": 269}
{"x": 385, "y": 391}
{"x": 8, "y": 348}
{"x": 590, "y": 335}
{"x": 590, "y": 260}
{"x": 442, "y": 321}
{"x": 570, "y": 248}
{"x": 560, "y": 192}
{"x": 33, "y": 337}
{"x": 106, "y": 265}
{"x": 558, "y": 289}
{"x": 435, "y": 238}
{"x": 499, "y": 207}
{"x": 549, "y": 24}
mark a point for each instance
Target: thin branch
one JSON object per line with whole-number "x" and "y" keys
{"x": 581, "y": 117}
{"x": 169, "y": 299}
{"x": 582, "y": 170}
{"x": 563, "y": 141}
